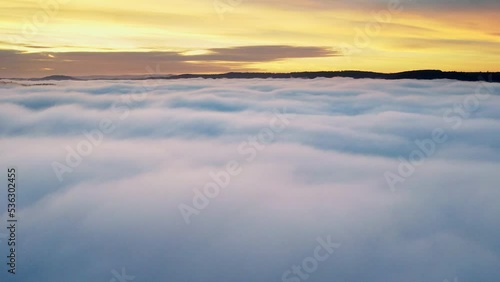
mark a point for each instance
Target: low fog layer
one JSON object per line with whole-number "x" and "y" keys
{"x": 237, "y": 180}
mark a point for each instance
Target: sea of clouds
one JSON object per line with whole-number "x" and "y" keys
{"x": 253, "y": 180}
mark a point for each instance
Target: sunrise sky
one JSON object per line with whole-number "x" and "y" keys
{"x": 95, "y": 37}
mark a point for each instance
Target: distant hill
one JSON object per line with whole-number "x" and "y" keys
{"x": 57, "y": 77}
{"x": 416, "y": 74}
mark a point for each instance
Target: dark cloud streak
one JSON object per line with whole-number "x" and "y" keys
{"x": 18, "y": 64}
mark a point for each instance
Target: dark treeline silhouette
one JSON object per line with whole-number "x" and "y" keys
{"x": 417, "y": 74}
{"x": 58, "y": 77}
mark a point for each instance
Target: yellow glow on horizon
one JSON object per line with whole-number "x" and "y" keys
{"x": 195, "y": 52}
{"x": 410, "y": 40}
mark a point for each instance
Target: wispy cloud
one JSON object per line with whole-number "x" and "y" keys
{"x": 119, "y": 63}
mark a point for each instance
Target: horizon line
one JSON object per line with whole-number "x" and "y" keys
{"x": 156, "y": 76}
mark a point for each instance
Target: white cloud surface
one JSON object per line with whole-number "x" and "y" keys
{"x": 323, "y": 174}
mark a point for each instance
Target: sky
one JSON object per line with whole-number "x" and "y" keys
{"x": 118, "y": 177}
{"x": 92, "y": 37}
